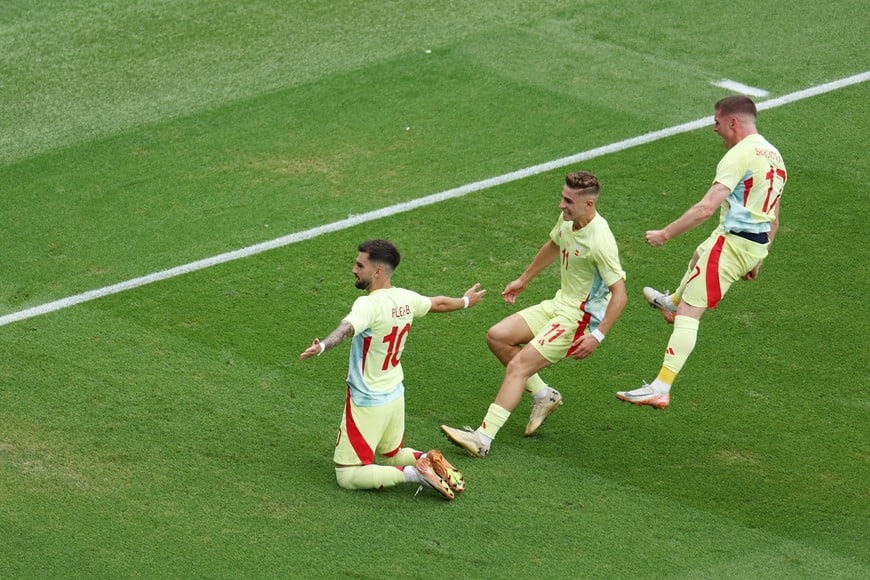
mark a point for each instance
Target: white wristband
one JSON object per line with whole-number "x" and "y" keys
{"x": 322, "y": 348}
{"x": 466, "y": 300}
{"x": 599, "y": 336}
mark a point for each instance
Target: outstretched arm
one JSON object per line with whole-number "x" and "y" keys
{"x": 544, "y": 257}
{"x": 447, "y": 304}
{"x": 694, "y": 216}
{"x": 336, "y": 337}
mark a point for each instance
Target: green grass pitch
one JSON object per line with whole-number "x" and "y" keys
{"x": 170, "y": 431}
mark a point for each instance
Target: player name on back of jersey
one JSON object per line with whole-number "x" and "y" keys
{"x": 401, "y": 311}
{"x": 769, "y": 154}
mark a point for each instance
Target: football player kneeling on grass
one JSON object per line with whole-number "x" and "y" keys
{"x": 370, "y": 452}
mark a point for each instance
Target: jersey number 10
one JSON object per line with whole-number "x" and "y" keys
{"x": 395, "y": 343}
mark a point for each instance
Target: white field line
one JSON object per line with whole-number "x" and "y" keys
{"x": 353, "y": 220}
{"x": 740, "y": 88}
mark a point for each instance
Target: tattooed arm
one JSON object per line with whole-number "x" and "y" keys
{"x": 336, "y": 337}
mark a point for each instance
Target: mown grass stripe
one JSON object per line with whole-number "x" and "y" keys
{"x": 354, "y": 220}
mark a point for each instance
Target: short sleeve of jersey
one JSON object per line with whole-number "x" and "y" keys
{"x": 361, "y": 314}
{"x": 422, "y": 304}
{"x": 730, "y": 170}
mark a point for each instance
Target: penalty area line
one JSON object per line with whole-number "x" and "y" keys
{"x": 354, "y": 220}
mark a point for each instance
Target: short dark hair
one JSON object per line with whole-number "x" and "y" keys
{"x": 584, "y": 181}
{"x": 737, "y": 105}
{"x": 381, "y": 251}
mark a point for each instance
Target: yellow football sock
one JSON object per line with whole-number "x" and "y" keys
{"x": 666, "y": 376}
{"x": 495, "y": 419}
{"x": 368, "y": 476}
{"x": 681, "y": 344}
{"x": 534, "y": 384}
